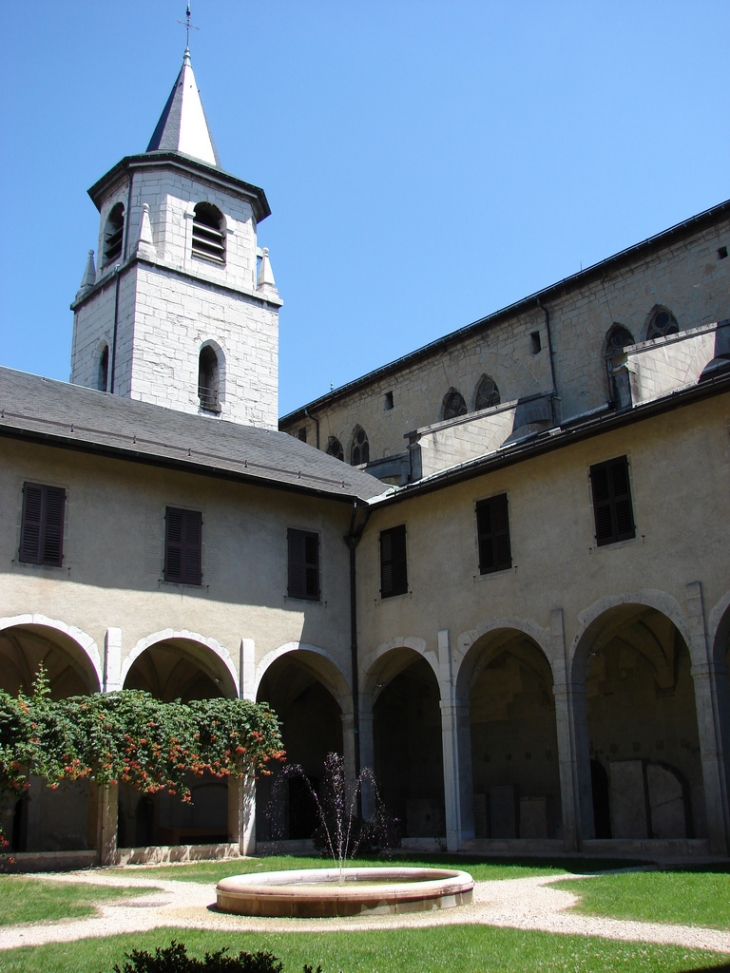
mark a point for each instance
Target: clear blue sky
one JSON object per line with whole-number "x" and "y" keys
{"x": 426, "y": 162}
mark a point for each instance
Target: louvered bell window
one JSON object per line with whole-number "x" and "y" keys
{"x": 208, "y": 237}
{"x": 114, "y": 234}
{"x": 41, "y": 532}
{"x": 183, "y": 545}
{"x": 393, "y": 562}
{"x": 495, "y": 552}
{"x": 612, "y": 508}
{"x": 303, "y": 564}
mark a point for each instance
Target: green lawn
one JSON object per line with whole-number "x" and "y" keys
{"x": 481, "y": 869}
{"x": 695, "y": 898}
{"x": 35, "y": 900}
{"x": 451, "y": 949}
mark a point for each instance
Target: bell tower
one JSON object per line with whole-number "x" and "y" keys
{"x": 180, "y": 307}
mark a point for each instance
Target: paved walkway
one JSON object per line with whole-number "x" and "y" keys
{"x": 525, "y": 903}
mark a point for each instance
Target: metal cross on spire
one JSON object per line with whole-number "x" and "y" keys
{"x": 188, "y": 26}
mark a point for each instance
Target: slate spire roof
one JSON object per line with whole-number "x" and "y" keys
{"x": 183, "y": 126}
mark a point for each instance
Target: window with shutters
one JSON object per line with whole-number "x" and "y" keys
{"x": 303, "y": 564}
{"x": 495, "y": 553}
{"x": 612, "y": 506}
{"x": 393, "y": 562}
{"x": 183, "y": 545}
{"x": 41, "y": 532}
{"x": 209, "y": 239}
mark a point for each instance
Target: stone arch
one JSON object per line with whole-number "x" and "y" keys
{"x": 466, "y": 640}
{"x": 334, "y": 448}
{"x": 660, "y": 322}
{"x": 101, "y": 365}
{"x": 83, "y": 647}
{"x": 222, "y": 672}
{"x": 209, "y": 232}
{"x": 719, "y": 629}
{"x": 453, "y": 405}
{"x": 113, "y": 235}
{"x": 486, "y": 393}
{"x": 211, "y": 375}
{"x": 359, "y": 447}
{"x": 375, "y": 665}
{"x": 321, "y": 664}
{"x": 504, "y": 687}
{"x": 593, "y": 617}
{"x": 638, "y": 721}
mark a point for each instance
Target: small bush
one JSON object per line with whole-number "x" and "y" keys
{"x": 174, "y": 959}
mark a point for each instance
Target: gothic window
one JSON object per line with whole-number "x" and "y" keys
{"x": 183, "y": 545}
{"x": 208, "y": 233}
{"x": 209, "y": 380}
{"x": 41, "y": 531}
{"x": 617, "y": 338}
{"x": 334, "y": 448}
{"x": 114, "y": 234}
{"x": 662, "y": 322}
{"x": 360, "y": 452}
{"x": 487, "y": 393}
{"x": 453, "y": 405}
{"x": 102, "y": 378}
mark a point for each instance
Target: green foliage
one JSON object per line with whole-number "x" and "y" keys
{"x": 132, "y": 737}
{"x": 174, "y": 959}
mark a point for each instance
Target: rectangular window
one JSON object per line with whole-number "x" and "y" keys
{"x": 393, "y": 562}
{"x": 495, "y": 553}
{"x": 41, "y": 532}
{"x": 183, "y": 545}
{"x": 303, "y": 564}
{"x": 612, "y": 507}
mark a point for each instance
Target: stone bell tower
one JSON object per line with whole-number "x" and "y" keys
{"x": 180, "y": 308}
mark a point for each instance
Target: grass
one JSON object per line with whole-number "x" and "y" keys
{"x": 466, "y": 949}
{"x": 36, "y": 900}
{"x": 481, "y": 869}
{"x": 690, "y": 898}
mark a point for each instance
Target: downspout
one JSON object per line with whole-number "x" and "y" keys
{"x": 352, "y": 539}
{"x": 116, "y": 324}
{"x": 315, "y": 420}
{"x": 554, "y": 393}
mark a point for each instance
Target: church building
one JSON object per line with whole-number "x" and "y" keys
{"x": 495, "y": 571}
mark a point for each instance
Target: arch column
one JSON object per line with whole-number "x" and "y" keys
{"x": 456, "y": 748}
{"x": 367, "y": 755}
{"x": 710, "y": 688}
{"x": 242, "y": 813}
{"x": 571, "y": 718}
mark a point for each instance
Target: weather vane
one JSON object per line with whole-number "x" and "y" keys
{"x": 188, "y": 26}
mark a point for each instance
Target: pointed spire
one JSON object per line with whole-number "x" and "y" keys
{"x": 145, "y": 243}
{"x": 266, "y": 285}
{"x": 89, "y": 278}
{"x": 183, "y": 126}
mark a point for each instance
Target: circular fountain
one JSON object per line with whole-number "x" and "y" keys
{"x": 324, "y": 892}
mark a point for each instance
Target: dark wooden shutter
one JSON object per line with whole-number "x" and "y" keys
{"x": 495, "y": 553}
{"x": 303, "y": 564}
{"x": 612, "y": 506}
{"x": 183, "y": 545}
{"x": 41, "y": 532}
{"x": 393, "y": 562}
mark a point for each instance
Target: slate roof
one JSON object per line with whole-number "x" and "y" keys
{"x": 45, "y": 410}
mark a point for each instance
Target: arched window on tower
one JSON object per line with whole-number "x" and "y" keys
{"x": 209, "y": 239}
{"x": 334, "y": 448}
{"x": 114, "y": 234}
{"x": 661, "y": 322}
{"x": 102, "y": 378}
{"x": 360, "y": 451}
{"x": 453, "y": 405}
{"x": 487, "y": 393}
{"x": 209, "y": 379}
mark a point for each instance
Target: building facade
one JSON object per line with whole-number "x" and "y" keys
{"x": 496, "y": 571}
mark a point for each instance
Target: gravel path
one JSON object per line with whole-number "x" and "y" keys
{"x": 525, "y": 903}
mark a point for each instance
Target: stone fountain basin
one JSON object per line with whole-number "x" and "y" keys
{"x": 317, "y": 892}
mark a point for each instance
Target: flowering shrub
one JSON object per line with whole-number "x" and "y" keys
{"x": 131, "y": 737}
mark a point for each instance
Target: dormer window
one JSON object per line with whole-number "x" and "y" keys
{"x": 209, "y": 380}
{"x": 209, "y": 239}
{"x": 114, "y": 234}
